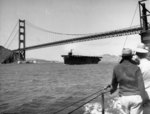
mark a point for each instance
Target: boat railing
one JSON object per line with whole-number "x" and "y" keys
{"x": 100, "y": 93}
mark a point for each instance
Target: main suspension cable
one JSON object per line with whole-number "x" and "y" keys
{"x": 12, "y": 39}
{"x": 11, "y": 34}
{"x": 58, "y": 33}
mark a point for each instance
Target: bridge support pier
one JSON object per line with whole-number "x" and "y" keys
{"x": 22, "y": 52}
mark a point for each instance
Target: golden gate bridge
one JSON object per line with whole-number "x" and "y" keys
{"x": 142, "y": 29}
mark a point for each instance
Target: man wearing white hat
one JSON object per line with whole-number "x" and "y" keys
{"x": 142, "y": 52}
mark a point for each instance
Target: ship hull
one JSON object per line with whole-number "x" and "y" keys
{"x": 75, "y": 60}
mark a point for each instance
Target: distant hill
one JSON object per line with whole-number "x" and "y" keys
{"x": 106, "y": 58}
{"x": 42, "y": 60}
{"x": 10, "y": 56}
{"x": 110, "y": 58}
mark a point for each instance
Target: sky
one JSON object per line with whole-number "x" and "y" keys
{"x": 71, "y": 17}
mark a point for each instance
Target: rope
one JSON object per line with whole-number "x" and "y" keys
{"x": 87, "y": 102}
{"x": 130, "y": 25}
{"x": 80, "y": 100}
{"x": 11, "y": 34}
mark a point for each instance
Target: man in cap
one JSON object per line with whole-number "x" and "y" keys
{"x": 128, "y": 78}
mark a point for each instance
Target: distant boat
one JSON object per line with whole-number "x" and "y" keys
{"x": 80, "y": 59}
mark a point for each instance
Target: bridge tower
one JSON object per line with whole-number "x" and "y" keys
{"x": 145, "y": 33}
{"x": 22, "y": 53}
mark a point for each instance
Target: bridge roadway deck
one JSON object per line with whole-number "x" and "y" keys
{"x": 115, "y": 33}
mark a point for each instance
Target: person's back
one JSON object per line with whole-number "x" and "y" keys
{"x": 126, "y": 74}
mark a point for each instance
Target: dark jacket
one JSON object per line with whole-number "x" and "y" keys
{"x": 128, "y": 77}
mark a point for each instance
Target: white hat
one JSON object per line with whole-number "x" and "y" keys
{"x": 141, "y": 48}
